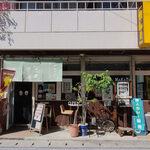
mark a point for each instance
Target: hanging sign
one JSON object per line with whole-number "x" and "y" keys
{"x": 138, "y": 117}
{"x": 6, "y": 78}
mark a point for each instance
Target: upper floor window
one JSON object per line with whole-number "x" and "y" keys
{"x": 76, "y": 5}
{"x": 107, "y": 66}
{"x": 142, "y": 66}
{"x": 71, "y": 67}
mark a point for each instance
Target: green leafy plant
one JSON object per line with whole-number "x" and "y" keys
{"x": 91, "y": 82}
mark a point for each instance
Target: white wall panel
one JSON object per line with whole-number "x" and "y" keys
{"x": 38, "y": 21}
{"x": 58, "y": 30}
{"x": 134, "y": 20}
{"x": 64, "y": 21}
{"x": 91, "y": 21}
{"x": 19, "y": 18}
{"x": 76, "y": 40}
{"x": 119, "y": 20}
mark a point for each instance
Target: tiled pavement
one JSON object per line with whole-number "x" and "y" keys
{"x": 21, "y": 137}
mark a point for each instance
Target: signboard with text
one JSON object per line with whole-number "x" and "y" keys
{"x": 123, "y": 89}
{"x": 37, "y": 119}
{"x": 138, "y": 117}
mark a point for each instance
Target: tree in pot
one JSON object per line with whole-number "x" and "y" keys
{"x": 91, "y": 82}
{"x": 74, "y": 128}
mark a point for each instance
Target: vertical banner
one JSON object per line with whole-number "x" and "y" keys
{"x": 6, "y": 78}
{"x": 138, "y": 117}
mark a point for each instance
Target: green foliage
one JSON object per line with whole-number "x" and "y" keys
{"x": 91, "y": 82}
{"x": 97, "y": 81}
{"x": 94, "y": 100}
{"x": 79, "y": 100}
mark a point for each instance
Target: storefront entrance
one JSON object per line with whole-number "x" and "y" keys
{"x": 23, "y": 102}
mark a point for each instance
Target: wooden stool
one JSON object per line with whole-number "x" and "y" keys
{"x": 121, "y": 130}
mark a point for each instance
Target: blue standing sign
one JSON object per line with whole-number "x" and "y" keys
{"x": 138, "y": 117}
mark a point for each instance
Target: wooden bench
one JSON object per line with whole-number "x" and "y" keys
{"x": 122, "y": 130}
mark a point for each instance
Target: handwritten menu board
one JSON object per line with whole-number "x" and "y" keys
{"x": 37, "y": 119}
{"x": 123, "y": 89}
{"x": 138, "y": 117}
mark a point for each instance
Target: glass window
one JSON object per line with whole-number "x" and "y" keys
{"x": 123, "y": 5}
{"x": 89, "y": 5}
{"x": 144, "y": 66}
{"x": 72, "y": 5}
{"x": 31, "y": 5}
{"x": 114, "y": 5}
{"x": 106, "y": 66}
{"x": 23, "y": 5}
{"x": 56, "y": 5}
{"x": 98, "y": 5}
{"x": 132, "y": 5}
{"x": 67, "y": 85}
{"x": 143, "y": 87}
{"x": 64, "y": 5}
{"x": 71, "y": 67}
{"x": 47, "y": 5}
{"x": 81, "y": 5}
{"x": 106, "y": 5}
{"x": 39, "y": 6}
{"x": 47, "y": 90}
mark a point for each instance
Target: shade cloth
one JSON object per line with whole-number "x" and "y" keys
{"x": 35, "y": 70}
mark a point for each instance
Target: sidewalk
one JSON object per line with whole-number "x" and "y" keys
{"x": 61, "y": 138}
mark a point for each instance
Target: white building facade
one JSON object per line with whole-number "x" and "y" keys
{"x": 91, "y": 36}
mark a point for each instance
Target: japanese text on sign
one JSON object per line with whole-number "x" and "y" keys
{"x": 38, "y": 112}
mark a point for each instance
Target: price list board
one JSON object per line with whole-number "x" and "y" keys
{"x": 138, "y": 117}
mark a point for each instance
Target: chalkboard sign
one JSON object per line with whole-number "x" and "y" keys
{"x": 37, "y": 118}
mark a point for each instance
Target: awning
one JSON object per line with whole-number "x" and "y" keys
{"x": 35, "y": 70}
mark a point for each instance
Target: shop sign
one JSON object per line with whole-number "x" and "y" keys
{"x": 138, "y": 118}
{"x": 6, "y": 78}
{"x": 37, "y": 119}
{"x": 143, "y": 25}
{"x": 123, "y": 89}
{"x": 38, "y": 112}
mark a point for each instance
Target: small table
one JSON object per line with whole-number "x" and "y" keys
{"x": 122, "y": 130}
{"x": 75, "y": 104}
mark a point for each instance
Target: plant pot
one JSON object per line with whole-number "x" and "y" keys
{"x": 83, "y": 129}
{"x": 74, "y": 130}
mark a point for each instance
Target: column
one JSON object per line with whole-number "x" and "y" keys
{"x": 58, "y": 91}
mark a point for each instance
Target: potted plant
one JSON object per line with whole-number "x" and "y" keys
{"x": 74, "y": 128}
{"x": 90, "y": 82}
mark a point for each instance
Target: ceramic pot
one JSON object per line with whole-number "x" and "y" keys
{"x": 83, "y": 130}
{"x": 74, "y": 130}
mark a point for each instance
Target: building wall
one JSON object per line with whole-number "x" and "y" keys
{"x": 65, "y": 30}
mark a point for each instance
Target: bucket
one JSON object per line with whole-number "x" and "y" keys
{"x": 83, "y": 130}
